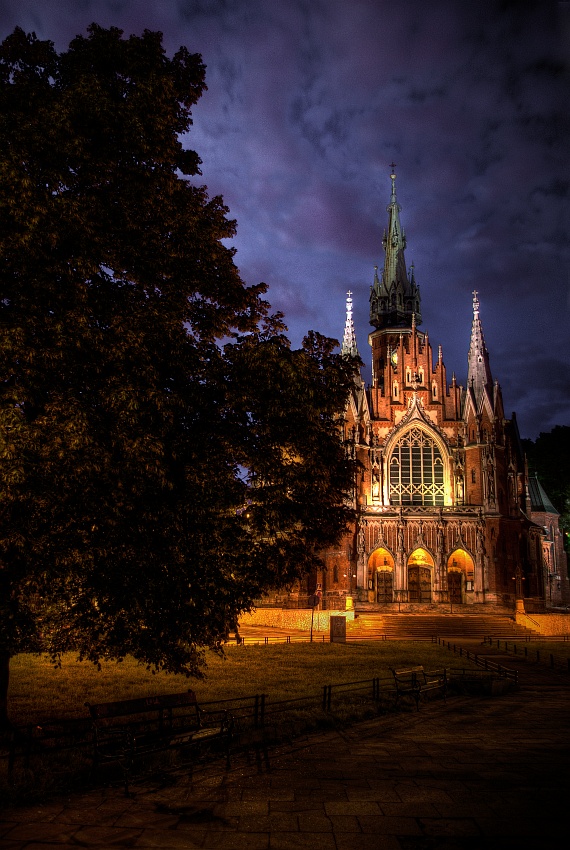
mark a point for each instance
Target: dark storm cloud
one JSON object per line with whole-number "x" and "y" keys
{"x": 307, "y": 105}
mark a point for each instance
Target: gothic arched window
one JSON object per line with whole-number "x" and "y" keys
{"x": 416, "y": 470}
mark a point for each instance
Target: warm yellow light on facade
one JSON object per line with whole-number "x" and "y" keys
{"x": 381, "y": 560}
{"x": 420, "y": 557}
{"x": 461, "y": 561}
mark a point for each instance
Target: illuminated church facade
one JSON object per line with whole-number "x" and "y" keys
{"x": 444, "y": 508}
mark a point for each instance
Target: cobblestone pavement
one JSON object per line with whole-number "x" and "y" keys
{"x": 475, "y": 773}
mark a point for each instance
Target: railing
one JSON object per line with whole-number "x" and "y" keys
{"x": 318, "y": 637}
{"x": 270, "y": 720}
{"x": 481, "y": 660}
{"x": 539, "y": 656}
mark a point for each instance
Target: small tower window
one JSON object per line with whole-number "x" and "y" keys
{"x": 434, "y": 390}
{"x": 473, "y": 477}
{"x": 395, "y": 392}
{"x": 421, "y": 376}
{"x": 408, "y": 376}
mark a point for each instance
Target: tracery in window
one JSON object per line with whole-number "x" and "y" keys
{"x": 416, "y": 470}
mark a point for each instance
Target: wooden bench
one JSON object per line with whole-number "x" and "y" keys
{"x": 415, "y": 682}
{"x": 130, "y": 729}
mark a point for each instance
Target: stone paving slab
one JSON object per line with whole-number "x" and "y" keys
{"x": 472, "y": 774}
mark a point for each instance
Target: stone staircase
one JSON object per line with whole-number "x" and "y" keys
{"x": 426, "y": 626}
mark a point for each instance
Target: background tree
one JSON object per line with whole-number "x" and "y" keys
{"x": 146, "y": 396}
{"x": 549, "y": 457}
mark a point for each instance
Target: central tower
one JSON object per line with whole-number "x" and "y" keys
{"x": 395, "y": 299}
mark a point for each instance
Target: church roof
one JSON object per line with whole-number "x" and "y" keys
{"x": 539, "y": 501}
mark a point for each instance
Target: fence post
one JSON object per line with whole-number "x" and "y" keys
{"x": 288, "y": 639}
{"x": 262, "y": 710}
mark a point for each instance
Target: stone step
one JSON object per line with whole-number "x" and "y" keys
{"x": 426, "y": 625}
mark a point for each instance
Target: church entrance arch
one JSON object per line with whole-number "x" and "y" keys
{"x": 381, "y": 575}
{"x": 460, "y": 568}
{"x": 420, "y": 570}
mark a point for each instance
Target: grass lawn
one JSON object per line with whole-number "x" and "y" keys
{"x": 38, "y": 690}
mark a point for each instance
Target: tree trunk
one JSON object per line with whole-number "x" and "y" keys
{"x": 4, "y": 681}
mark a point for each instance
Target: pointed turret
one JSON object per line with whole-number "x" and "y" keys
{"x": 479, "y": 371}
{"x": 395, "y": 298}
{"x": 349, "y": 347}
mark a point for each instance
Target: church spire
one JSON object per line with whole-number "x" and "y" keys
{"x": 349, "y": 347}
{"x": 479, "y": 369}
{"x": 395, "y": 298}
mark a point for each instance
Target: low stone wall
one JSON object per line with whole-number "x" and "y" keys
{"x": 546, "y": 624}
{"x": 290, "y": 618}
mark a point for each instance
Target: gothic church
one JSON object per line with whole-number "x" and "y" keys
{"x": 445, "y": 510}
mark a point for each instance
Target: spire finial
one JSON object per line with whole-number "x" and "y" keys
{"x": 393, "y": 179}
{"x": 479, "y": 370}
{"x": 349, "y": 347}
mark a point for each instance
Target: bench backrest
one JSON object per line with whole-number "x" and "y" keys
{"x": 123, "y": 708}
{"x": 408, "y": 673}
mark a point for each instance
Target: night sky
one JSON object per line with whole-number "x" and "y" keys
{"x": 308, "y": 103}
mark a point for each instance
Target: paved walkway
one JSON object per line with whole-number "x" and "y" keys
{"x": 477, "y": 773}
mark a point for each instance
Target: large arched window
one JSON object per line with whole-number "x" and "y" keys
{"x": 416, "y": 470}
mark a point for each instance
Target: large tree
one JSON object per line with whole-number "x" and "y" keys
{"x": 165, "y": 457}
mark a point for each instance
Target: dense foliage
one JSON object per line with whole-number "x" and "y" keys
{"x": 165, "y": 456}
